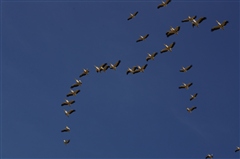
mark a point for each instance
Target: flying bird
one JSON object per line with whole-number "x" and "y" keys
{"x": 193, "y": 96}
{"x": 186, "y": 86}
{"x": 209, "y": 156}
{"x": 220, "y": 25}
{"x": 99, "y": 69}
{"x": 140, "y": 69}
{"x": 131, "y": 70}
{"x": 67, "y": 102}
{"x": 85, "y": 72}
{"x": 168, "y": 47}
{"x": 73, "y": 93}
{"x": 163, "y": 4}
{"x": 132, "y": 15}
{"x": 67, "y": 113}
{"x": 78, "y": 83}
{"x": 151, "y": 56}
{"x": 197, "y": 22}
{"x": 173, "y": 31}
{"x": 191, "y": 109}
{"x": 66, "y": 129}
{"x": 237, "y": 149}
{"x": 189, "y": 19}
{"x": 66, "y": 141}
{"x": 185, "y": 69}
{"x": 115, "y": 65}
{"x": 142, "y": 37}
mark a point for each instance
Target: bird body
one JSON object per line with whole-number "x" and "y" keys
{"x": 66, "y": 142}
{"x": 67, "y": 102}
{"x": 67, "y": 113}
{"x": 66, "y": 129}
{"x": 209, "y": 156}
{"x": 168, "y": 47}
{"x": 185, "y": 69}
{"x": 85, "y": 72}
{"x": 73, "y": 93}
{"x": 186, "y": 86}
{"x": 193, "y": 96}
{"x": 163, "y": 4}
{"x": 132, "y": 15}
{"x": 151, "y": 56}
{"x": 197, "y": 22}
{"x": 173, "y": 31}
{"x": 114, "y": 66}
{"x": 237, "y": 149}
{"x": 142, "y": 37}
{"x": 220, "y": 25}
{"x": 191, "y": 109}
{"x": 78, "y": 83}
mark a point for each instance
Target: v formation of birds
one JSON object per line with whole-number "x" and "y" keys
{"x": 137, "y": 69}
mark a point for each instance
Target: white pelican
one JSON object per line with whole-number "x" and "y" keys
{"x": 66, "y": 129}
{"x": 168, "y": 48}
{"x": 142, "y": 37}
{"x": 115, "y": 65}
{"x": 67, "y": 102}
{"x": 209, "y": 156}
{"x": 99, "y": 69}
{"x": 185, "y": 69}
{"x": 173, "y": 31}
{"x": 78, "y": 83}
{"x": 220, "y": 25}
{"x": 131, "y": 70}
{"x": 193, "y": 96}
{"x": 73, "y": 93}
{"x": 140, "y": 69}
{"x": 197, "y": 22}
{"x": 132, "y": 15}
{"x": 189, "y": 19}
{"x": 186, "y": 86}
{"x": 66, "y": 141}
{"x": 237, "y": 149}
{"x": 163, "y": 4}
{"x": 191, "y": 109}
{"x": 85, "y": 72}
{"x": 67, "y": 113}
{"x": 151, "y": 56}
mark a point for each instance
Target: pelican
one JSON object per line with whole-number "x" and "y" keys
{"x": 73, "y": 93}
{"x": 85, "y": 72}
{"x": 140, "y": 69}
{"x": 189, "y": 19}
{"x": 185, "y": 69}
{"x": 191, "y": 109}
{"x": 67, "y": 102}
{"x": 66, "y": 129}
{"x": 78, "y": 83}
{"x": 237, "y": 149}
{"x": 99, "y": 69}
{"x": 197, "y": 22}
{"x": 220, "y": 25}
{"x": 173, "y": 31}
{"x": 142, "y": 37}
{"x": 66, "y": 141}
{"x": 193, "y": 96}
{"x": 209, "y": 156}
{"x": 115, "y": 65}
{"x": 67, "y": 113}
{"x": 186, "y": 86}
{"x": 131, "y": 70}
{"x": 168, "y": 48}
{"x": 132, "y": 15}
{"x": 163, "y": 4}
{"x": 151, "y": 56}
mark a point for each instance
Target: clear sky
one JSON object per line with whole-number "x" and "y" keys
{"x": 46, "y": 44}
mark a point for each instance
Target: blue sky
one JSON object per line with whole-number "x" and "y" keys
{"x": 46, "y": 44}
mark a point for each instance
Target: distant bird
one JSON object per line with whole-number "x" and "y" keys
{"x": 168, "y": 48}
{"x": 67, "y": 102}
{"x": 140, "y": 69}
{"x": 189, "y": 19}
{"x": 78, "y": 83}
{"x": 151, "y": 56}
{"x": 237, "y": 149}
{"x": 131, "y": 70}
{"x": 66, "y": 129}
{"x": 142, "y": 38}
{"x": 220, "y": 25}
{"x": 99, "y": 69}
{"x": 209, "y": 156}
{"x": 191, "y": 109}
{"x": 193, "y": 96}
{"x": 115, "y": 65}
{"x": 105, "y": 68}
{"x": 85, "y": 72}
{"x": 173, "y": 31}
{"x": 73, "y": 93}
{"x": 132, "y": 15}
{"x": 66, "y": 141}
{"x": 186, "y": 86}
{"x": 67, "y": 113}
{"x": 163, "y": 4}
{"x": 197, "y": 22}
{"x": 185, "y": 69}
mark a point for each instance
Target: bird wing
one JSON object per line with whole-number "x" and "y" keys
{"x": 169, "y": 33}
{"x": 140, "y": 39}
{"x": 64, "y": 103}
{"x": 185, "y": 20}
{"x": 116, "y": 64}
{"x": 155, "y": 54}
{"x": 69, "y": 94}
{"x": 180, "y": 87}
{"x": 128, "y": 71}
{"x": 136, "y": 71}
{"x": 71, "y": 111}
{"x": 189, "y": 84}
{"x": 187, "y": 68}
{"x": 168, "y": 1}
{"x": 83, "y": 74}
{"x": 135, "y": 13}
{"x": 201, "y": 19}
{"x": 177, "y": 28}
{"x": 148, "y": 58}
{"x": 193, "y": 108}
{"x": 164, "y": 50}
{"x": 181, "y": 70}
{"x": 146, "y": 36}
{"x": 225, "y": 23}
{"x": 103, "y": 65}
{"x": 215, "y": 28}
{"x": 74, "y": 85}
{"x": 144, "y": 67}
{"x": 172, "y": 45}
{"x": 160, "y": 5}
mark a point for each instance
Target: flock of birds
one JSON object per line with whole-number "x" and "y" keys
{"x": 137, "y": 69}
